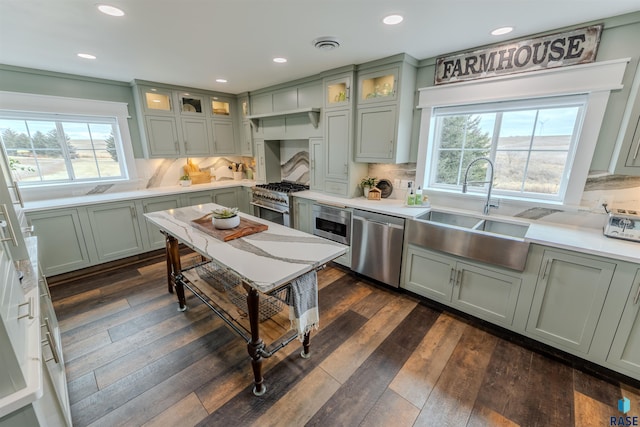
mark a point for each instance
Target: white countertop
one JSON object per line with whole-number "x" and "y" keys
{"x": 84, "y": 200}
{"x": 265, "y": 260}
{"x": 581, "y": 239}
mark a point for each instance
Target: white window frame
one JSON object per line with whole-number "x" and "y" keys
{"x": 528, "y": 104}
{"x": 596, "y": 80}
{"x": 13, "y": 102}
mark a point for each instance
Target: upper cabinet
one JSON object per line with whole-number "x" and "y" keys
{"x": 626, "y": 156}
{"x": 386, "y": 92}
{"x": 175, "y": 122}
{"x": 337, "y": 91}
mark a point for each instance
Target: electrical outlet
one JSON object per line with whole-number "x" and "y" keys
{"x": 404, "y": 183}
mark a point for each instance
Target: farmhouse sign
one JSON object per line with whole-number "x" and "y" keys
{"x": 555, "y": 50}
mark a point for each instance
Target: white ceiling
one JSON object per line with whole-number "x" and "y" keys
{"x": 193, "y": 42}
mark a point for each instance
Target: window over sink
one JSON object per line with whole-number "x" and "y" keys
{"x": 541, "y": 126}
{"x": 530, "y": 142}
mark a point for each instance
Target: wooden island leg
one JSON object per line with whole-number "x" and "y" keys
{"x": 305, "y": 354}
{"x": 173, "y": 255}
{"x": 255, "y": 346}
{"x": 168, "y": 257}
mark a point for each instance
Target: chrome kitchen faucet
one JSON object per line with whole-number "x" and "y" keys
{"x": 488, "y": 204}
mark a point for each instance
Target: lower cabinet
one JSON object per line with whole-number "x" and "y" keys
{"x": 569, "y": 296}
{"x": 116, "y": 230}
{"x": 488, "y": 293}
{"x": 302, "y": 216}
{"x": 61, "y": 239}
{"x": 625, "y": 350}
{"x": 227, "y": 197}
{"x": 156, "y": 239}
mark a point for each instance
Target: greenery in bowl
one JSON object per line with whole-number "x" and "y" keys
{"x": 368, "y": 182}
{"x": 225, "y": 213}
{"x": 185, "y": 178}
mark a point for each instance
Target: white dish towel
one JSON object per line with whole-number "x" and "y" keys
{"x": 303, "y": 304}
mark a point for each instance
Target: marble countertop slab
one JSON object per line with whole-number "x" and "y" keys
{"x": 265, "y": 260}
{"x": 85, "y": 200}
{"x": 393, "y": 207}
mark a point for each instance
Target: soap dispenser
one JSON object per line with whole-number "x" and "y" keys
{"x": 410, "y": 196}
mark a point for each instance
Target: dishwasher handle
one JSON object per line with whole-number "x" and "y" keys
{"x": 386, "y": 224}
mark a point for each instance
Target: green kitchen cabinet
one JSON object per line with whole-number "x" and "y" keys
{"x": 224, "y": 140}
{"x": 316, "y": 164}
{"x": 302, "y": 215}
{"x": 341, "y": 174}
{"x": 626, "y": 155}
{"x": 485, "y": 292}
{"x": 384, "y": 116}
{"x": 195, "y": 138}
{"x": 625, "y": 350}
{"x": 156, "y": 239}
{"x": 62, "y": 242}
{"x": 569, "y": 296}
{"x": 246, "y": 139}
{"x": 162, "y": 136}
{"x": 115, "y": 230}
{"x": 245, "y": 195}
{"x": 227, "y": 197}
{"x": 337, "y": 91}
{"x": 179, "y": 122}
{"x": 197, "y": 198}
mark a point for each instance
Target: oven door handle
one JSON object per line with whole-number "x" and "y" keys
{"x": 285, "y": 211}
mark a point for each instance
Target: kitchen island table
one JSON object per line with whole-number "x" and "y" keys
{"x": 275, "y": 264}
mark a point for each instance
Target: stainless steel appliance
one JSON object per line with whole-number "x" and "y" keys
{"x": 623, "y": 224}
{"x": 376, "y": 248}
{"x": 273, "y": 201}
{"x": 332, "y": 222}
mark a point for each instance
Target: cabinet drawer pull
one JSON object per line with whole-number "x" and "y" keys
{"x": 18, "y": 194}
{"x": 177, "y": 148}
{"x": 635, "y": 300}
{"x": 49, "y": 340}
{"x": 45, "y": 285}
{"x": 12, "y": 233}
{"x": 451, "y": 274}
{"x": 133, "y": 212}
{"x": 458, "y": 278}
{"x": 29, "y": 313}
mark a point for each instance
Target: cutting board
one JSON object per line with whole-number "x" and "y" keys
{"x": 246, "y": 228}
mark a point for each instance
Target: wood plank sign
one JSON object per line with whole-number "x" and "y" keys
{"x": 578, "y": 46}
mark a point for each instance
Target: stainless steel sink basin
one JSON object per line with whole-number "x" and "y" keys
{"x": 482, "y": 239}
{"x": 501, "y": 227}
{"x": 459, "y": 220}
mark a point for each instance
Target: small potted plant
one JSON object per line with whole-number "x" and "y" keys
{"x": 225, "y": 218}
{"x": 185, "y": 180}
{"x": 367, "y": 184}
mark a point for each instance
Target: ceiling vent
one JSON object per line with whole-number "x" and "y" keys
{"x": 326, "y": 43}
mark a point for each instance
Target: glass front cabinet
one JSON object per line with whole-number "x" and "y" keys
{"x": 338, "y": 91}
{"x": 180, "y": 123}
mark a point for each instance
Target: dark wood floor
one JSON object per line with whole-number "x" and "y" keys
{"x": 380, "y": 358}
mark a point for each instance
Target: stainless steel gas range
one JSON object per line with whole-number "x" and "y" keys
{"x": 273, "y": 201}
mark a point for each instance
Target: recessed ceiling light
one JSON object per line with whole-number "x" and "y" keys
{"x": 86, "y": 56}
{"x": 221, "y": 80}
{"x": 110, "y": 10}
{"x": 280, "y": 60}
{"x": 502, "y": 30}
{"x": 392, "y": 19}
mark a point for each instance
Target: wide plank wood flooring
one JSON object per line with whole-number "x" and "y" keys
{"x": 380, "y": 358}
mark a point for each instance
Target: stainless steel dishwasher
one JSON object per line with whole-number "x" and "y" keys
{"x": 376, "y": 246}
